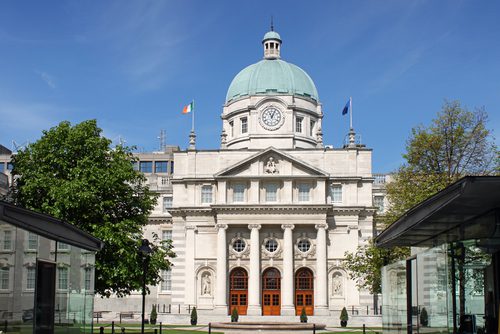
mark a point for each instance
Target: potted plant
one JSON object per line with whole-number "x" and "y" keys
{"x": 303, "y": 315}
{"x": 153, "y": 315}
{"x": 424, "y": 317}
{"x": 194, "y": 317}
{"x": 344, "y": 317}
{"x": 234, "y": 315}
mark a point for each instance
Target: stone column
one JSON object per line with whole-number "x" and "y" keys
{"x": 221, "y": 288}
{"x": 287, "y": 300}
{"x": 321, "y": 303}
{"x": 254, "y": 307}
{"x": 190, "y": 293}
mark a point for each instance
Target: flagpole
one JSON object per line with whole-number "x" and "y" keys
{"x": 350, "y": 114}
{"x": 192, "y": 118}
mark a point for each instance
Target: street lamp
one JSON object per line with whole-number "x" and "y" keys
{"x": 144, "y": 251}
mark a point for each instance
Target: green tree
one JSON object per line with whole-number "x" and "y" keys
{"x": 74, "y": 174}
{"x": 456, "y": 143}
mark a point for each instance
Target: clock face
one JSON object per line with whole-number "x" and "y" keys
{"x": 271, "y": 118}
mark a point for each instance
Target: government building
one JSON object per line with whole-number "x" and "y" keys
{"x": 261, "y": 223}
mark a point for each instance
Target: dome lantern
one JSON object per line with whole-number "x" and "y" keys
{"x": 272, "y": 44}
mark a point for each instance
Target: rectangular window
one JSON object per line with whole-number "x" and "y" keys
{"x": 244, "y": 125}
{"x": 298, "y": 124}
{"x": 32, "y": 241}
{"x": 238, "y": 192}
{"x": 135, "y": 165}
{"x": 62, "y": 246}
{"x": 311, "y": 128}
{"x": 378, "y": 202}
{"x": 161, "y": 166}
{"x": 62, "y": 278}
{"x": 304, "y": 190}
{"x": 2, "y": 167}
{"x": 271, "y": 192}
{"x": 231, "y": 129}
{"x": 206, "y": 194}
{"x": 10, "y": 166}
{"x": 87, "y": 278}
{"x": 146, "y": 166}
{"x": 171, "y": 167}
{"x": 167, "y": 203}
{"x": 30, "y": 278}
{"x": 336, "y": 193}
{"x": 4, "y": 278}
{"x": 7, "y": 240}
{"x": 166, "y": 235}
{"x": 166, "y": 284}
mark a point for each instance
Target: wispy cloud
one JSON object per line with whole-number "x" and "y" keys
{"x": 144, "y": 38}
{"x": 49, "y": 80}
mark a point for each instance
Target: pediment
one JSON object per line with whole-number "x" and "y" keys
{"x": 271, "y": 163}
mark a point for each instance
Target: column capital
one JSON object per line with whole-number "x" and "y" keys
{"x": 323, "y": 225}
{"x": 285, "y": 226}
{"x": 254, "y": 226}
{"x": 221, "y": 226}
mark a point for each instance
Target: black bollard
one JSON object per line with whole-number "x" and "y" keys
{"x": 364, "y": 329}
{"x": 314, "y": 328}
{"x": 112, "y": 327}
{"x": 209, "y": 327}
{"x": 156, "y": 330}
{"x": 101, "y": 330}
{"x": 123, "y": 330}
{"x": 160, "y": 322}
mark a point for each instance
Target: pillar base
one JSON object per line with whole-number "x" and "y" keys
{"x": 321, "y": 310}
{"x": 221, "y": 310}
{"x": 254, "y": 310}
{"x": 287, "y": 310}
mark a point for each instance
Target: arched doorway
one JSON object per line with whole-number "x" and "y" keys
{"x": 238, "y": 291}
{"x": 304, "y": 291}
{"x": 271, "y": 292}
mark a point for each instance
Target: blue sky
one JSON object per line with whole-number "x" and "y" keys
{"x": 132, "y": 65}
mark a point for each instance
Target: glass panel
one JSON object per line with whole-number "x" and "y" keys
{"x": 276, "y": 300}
{"x": 309, "y": 300}
{"x": 146, "y": 166}
{"x": 161, "y": 166}
{"x": 238, "y": 192}
{"x": 394, "y": 297}
{"x": 243, "y": 299}
{"x": 336, "y": 193}
{"x": 267, "y": 299}
{"x": 300, "y": 300}
{"x": 271, "y": 192}
{"x": 206, "y": 194}
{"x": 304, "y": 189}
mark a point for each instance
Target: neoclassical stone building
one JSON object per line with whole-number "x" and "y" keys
{"x": 262, "y": 223}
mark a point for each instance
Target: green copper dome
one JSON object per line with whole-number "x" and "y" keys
{"x": 272, "y": 77}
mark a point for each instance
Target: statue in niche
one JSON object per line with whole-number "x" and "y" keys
{"x": 271, "y": 167}
{"x": 206, "y": 285}
{"x": 337, "y": 285}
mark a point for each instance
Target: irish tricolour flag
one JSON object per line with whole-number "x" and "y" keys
{"x": 187, "y": 109}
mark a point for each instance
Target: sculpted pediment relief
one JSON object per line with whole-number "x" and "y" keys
{"x": 271, "y": 162}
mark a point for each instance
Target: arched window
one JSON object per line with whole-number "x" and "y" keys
{"x": 238, "y": 279}
{"x": 271, "y": 279}
{"x": 304, "y": 279}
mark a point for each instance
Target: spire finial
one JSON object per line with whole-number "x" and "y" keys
{"x": 272, "y": 24}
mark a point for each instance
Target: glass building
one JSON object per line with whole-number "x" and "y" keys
{"x": 451, "y": 283}
{"x": 46, "y": 273}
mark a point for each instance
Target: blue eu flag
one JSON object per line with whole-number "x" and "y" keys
{"x": 346, "y": 108}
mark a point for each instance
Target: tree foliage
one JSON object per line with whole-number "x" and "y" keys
{"x": 456, "y": 143}
{"x": 74, "y": 174}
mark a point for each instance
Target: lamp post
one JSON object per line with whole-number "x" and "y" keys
{"x": 144, "y": 251}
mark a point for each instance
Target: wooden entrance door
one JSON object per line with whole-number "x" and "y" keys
{"x": 271, "y": 292}
{"x": 238, "y": 291}
{"x": 304, "y": 291}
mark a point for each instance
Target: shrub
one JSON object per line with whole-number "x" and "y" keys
{"x": 424, "y": 317}
{"x": 153, "y": 315}
{"x": 234, "y": 315}
{"x": 303, "y": 315}
{"x": 194, "y": 317}
{"x": 344, "y": 317}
